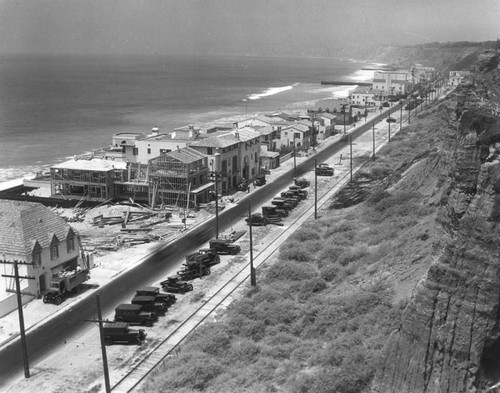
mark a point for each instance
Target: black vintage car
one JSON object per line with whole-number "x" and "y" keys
{"x": 164, "y": 298}
{"x": 134, "y": 314}
{"x": 206, "y": 256}
{"x": 222, "y": 246}
{"x": 176, "y": 285}
{"x": 260, "y": 180}
{"x": 148, "y": 303}
{"x": 119, "y": 332}
{"x": 324, "y": 170}
{"x": 302, "y": 182}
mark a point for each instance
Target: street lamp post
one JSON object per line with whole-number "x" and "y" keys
{"x": 294, "y": 159}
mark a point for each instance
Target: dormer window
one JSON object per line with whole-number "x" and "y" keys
{"x": 54, "y": 251}
{"x": 37, "y": 258}
{"x": 70, "y": 244}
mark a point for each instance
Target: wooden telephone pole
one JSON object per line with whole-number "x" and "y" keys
{"x": 18, "y": 292}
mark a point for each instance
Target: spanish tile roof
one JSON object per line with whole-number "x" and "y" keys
{"x": 26, "y": 223}
{"x": 186, "y": 155}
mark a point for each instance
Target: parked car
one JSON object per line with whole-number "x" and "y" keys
{"x": 302, "y": 182}
{"x": 260, "y": 180}
{"x": 134, "y": 314}
{"x": 148, "y": 303}
{"x": 176, "y": 285}
{"x": 120, "y": 332}
{"x": 207, "y": 257}
{"x": 222, "y": 246}
{"x": 324, "y": 170}
{"x": 164, "y": 298}
{"x": 257, "y": 219}
{"x": 299, "y": 191}
{"x": 274, "y": 211}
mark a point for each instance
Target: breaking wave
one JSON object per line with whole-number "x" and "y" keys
{"x": 271, "y": 92}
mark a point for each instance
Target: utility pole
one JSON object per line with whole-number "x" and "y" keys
{"x": 315, "y": 189}
{"x": 343, "y": 113}
{"x": 389, "y": 125}
{"x": 294, "y": 160}
{"x": 103, "y": 346}
{"x": 253, "y": 279}
{"x": 350, "y": 155}
{"x": 400, "y": 115}
{"x": 22, "y": 331}
{"x": 215, "y": 177}
{"x": 373, "y": 140}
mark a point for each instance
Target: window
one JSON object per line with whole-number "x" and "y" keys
{"x": 37, "y": 258}
{"x": 209, "y": 151}
{"x": 54, "y": 252}
{"x": 135, "y": 151}
{"x": 149, "y": 150}
{"x": 70, "y": 244}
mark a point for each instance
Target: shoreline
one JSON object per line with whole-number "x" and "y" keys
{"x": 221, "y": 116}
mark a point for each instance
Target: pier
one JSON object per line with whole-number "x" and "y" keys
{"x": 346, "y": 83}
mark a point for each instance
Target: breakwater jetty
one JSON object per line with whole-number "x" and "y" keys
{"x": 346, "y": 83}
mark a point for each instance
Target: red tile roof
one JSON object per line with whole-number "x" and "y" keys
{"x": 26, "y": 223}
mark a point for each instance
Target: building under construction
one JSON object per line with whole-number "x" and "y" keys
{"x": 179, "y": 177}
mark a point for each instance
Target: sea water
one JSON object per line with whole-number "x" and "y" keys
{"x": 54, "y": 107}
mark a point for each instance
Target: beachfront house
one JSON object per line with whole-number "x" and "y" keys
{"x": 362, "y": 96}
{"x": 325, "y": 124}
{"x": 394, "y": 84}
{"x": 268, "y": 126}
{"x": 41, "y": 241}
{"x": 157, "y": 143}
{"x": 298, "y": 135}
{"x": 88, "y": 178}
{"x": 235, "y": 155}
{"x": 178, "y": 177}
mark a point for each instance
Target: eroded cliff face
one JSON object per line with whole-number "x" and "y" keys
{"x": 449, "y": 338}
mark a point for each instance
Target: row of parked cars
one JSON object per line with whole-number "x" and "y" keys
{"x": 281, "y": 205}
{"x": 149, "y": 303}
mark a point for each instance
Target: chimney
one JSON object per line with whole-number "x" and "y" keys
{"x": 155, "y": 131}
{"x": 191, "y": 131}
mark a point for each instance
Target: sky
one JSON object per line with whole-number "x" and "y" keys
{"x": 237, "y": 26}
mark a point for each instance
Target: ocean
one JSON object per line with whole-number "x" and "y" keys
{"x": 54, "y": 107}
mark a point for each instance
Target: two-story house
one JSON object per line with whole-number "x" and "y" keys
{"x": 41, "y": 241}
{"x": 234, "y": 154}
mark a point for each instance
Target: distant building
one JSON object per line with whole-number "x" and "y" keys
{"x": 34, "y": 235}
{"x": 362, "y": 96}
{"x": 394, "y": 83}
{"x": 457, "y": 77}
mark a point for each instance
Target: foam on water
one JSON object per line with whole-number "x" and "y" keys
{"x": 271, "y": 92}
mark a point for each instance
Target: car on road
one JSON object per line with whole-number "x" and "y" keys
{"x": 176, "y": 285}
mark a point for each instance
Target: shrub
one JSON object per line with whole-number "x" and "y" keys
{"x": 330, "y": 272}
{"x": 291, "y": 270}
{"x": 352, "y": 254}
{"x": 305, "y": 234}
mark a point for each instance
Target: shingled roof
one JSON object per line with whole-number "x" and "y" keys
{"x": 26, "y": 223}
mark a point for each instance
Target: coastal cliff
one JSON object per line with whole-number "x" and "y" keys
{"x": 449, "y": 336}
